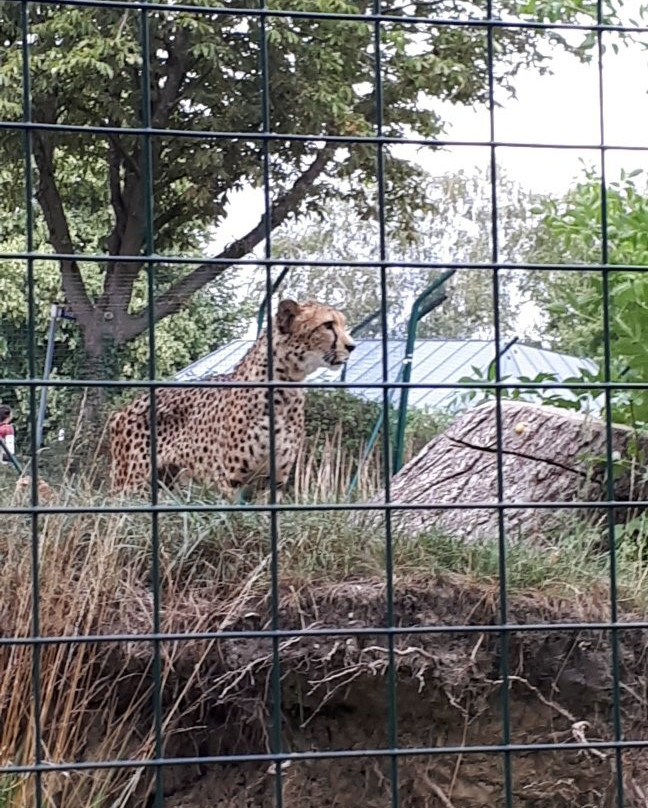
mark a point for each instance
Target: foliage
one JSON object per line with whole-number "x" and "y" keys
{"x": 86, "y": 69}
{"x": 579, "y": 400}
{"x": 576, "y": 302}
{"x": 457, "y": 229}
{"x": 9, "y": 785}
{"x": 210, "y": 319}
{"x": 331, "y": 411}
{"x": 328, "y": 410}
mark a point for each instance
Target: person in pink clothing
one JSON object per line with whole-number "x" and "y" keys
{"x": 7, "y": 432}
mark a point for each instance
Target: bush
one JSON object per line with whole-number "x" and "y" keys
{"x": 330, "y": 412}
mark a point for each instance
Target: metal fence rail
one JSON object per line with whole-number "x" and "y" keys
{"x": 265, "y": 137}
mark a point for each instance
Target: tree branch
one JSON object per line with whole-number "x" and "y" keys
{"x": 164, "y": 103}
{"x": 176, "y": 71}
{"x": 127, "y": 236}
{"x": 51, "y": 204}
{"x": 120, "y": 277}
{"x": 171, "y": 301}
{"x": 113, "y": 242}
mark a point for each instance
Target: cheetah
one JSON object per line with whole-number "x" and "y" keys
{"x": 219, "y": 436}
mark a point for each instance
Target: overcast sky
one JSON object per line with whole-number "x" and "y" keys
{"x": 563, "y": 108}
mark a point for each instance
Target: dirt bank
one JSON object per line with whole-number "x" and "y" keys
{"x": 448, "y": 692}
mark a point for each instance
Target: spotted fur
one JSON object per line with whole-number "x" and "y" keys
{"x": 220, "y": 436}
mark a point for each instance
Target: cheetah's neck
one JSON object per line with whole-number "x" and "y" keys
{"x": 254, "y": 365}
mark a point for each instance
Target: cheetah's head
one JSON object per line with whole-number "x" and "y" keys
{"x": 317, "y": 334}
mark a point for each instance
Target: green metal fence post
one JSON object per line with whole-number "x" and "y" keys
{"x": 264, "y": 303}
{"x": 49, "y": 357}
{"x": 498, "y": 355}
{"x": 423, "y": 305}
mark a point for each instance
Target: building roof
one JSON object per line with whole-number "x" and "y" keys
{"x": 435, "y": 361}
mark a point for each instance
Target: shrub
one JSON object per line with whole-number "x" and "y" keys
{"x": 333, "y": 411}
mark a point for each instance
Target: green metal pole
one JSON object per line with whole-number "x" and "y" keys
{"x": 422, "y": 306}
{"x": 499, "y": 355}
{"x": 277, "y": 283}
{"x": 49, "y": 358}
{"x": 372, "y": 439}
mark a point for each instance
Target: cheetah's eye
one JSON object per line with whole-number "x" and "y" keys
{"x": 330, "y": 325}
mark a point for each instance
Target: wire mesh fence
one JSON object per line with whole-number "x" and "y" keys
{"x": 148, "y": 130}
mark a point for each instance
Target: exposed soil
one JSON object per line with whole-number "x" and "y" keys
{"x": 448, "y": 693}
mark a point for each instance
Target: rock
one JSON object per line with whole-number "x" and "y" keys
{"x": 548, "y": 455}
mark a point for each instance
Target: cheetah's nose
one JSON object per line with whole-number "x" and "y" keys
{"x": 350, "y": 346}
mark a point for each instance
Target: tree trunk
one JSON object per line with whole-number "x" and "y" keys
{"x": 548, "y": 455}
{"x": 100, "y": 363}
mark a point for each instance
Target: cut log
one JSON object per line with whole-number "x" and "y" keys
{"x": 548, "y": 455}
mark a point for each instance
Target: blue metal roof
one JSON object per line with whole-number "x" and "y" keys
{"x": 435, "y": 362}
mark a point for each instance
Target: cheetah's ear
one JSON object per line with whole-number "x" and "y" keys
{"x": 286, "y": 314}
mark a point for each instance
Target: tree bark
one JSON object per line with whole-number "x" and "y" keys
{"x": 549, "y": 455}
{"x": 51, "y": 205}
{"x": 100, "y": 363}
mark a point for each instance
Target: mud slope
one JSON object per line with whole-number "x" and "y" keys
{"x": 448, "y": 692}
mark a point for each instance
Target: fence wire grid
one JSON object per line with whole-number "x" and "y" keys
{"x": 376, "y": 16}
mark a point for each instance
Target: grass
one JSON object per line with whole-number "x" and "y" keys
{"x": 9, "y": 785}
{"x": 95, "y": 577}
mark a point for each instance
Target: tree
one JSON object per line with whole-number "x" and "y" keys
{"x": 204, "y": 75}
{"x": 574, "y": 301}
{"x": 458, "y": 229}
{"x": 210, "y": 318}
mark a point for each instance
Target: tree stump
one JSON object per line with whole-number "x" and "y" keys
{"x": 548, "y": 455}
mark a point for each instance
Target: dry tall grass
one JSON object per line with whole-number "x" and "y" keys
{"x": 327, "y": 478}
{"x": 85, "y": 568}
